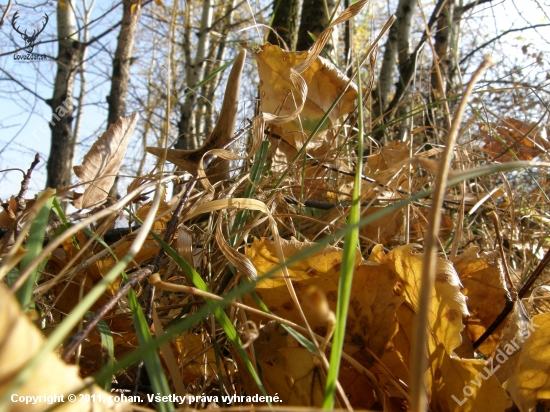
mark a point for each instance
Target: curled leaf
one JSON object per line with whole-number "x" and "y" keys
{"x": 100, "y": 166}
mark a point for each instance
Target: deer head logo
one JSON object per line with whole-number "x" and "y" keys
{"x": 29, "y": 40}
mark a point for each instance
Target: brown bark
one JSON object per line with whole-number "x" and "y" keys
{"x": 121, "y": 67}
{"x": 285, "y": 22}
{"x": 195, "y": 72}
{"x": 121, "y": 62}
{"x": 210, "y": 88}
{"x": 397, "y": 45}
{"x": 314, "y": 20}
{"x": 62, "y": 144}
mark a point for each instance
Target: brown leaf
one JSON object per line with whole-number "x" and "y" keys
{"x": 100, "y": 165}
{"x": 483, "y": 278}
{"x": 189, "y": 160}
{"x": 525, "y": 140}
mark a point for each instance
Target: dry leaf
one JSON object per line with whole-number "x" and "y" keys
{"x": 189, "y": 160}
{"x": 373, "y": 303}
{"x": 447, "y": 304}
{"x": 512, "y": 340}
{"x": 464, "y": 385}
{"x": 525, "y": 140}
{"x": 531, "y": 379}
{"x": 280, "y": 96}
{"x": 483, "y": 278}
{"x": 296, "y": 378}
{"x": 20, "y": 340}
{"x": 100, "y": 165}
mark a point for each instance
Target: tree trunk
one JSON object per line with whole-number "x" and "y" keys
{"x": 314, "y": 20}
{"x": 285, "y": 23}
{"x": 397, "y": 45}
{"x": 446, "y": 37}
{"x": 62, "y": 146}
{"x": 121, "y": 68}
{"x": 209, "y": 89}
{"x": 195, "y": 73}
{"x": 121, "y": 62}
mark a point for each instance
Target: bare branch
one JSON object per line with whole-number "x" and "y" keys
{"x": 5, "y": 15}
{"x": 500, "y": 36}
{"x": 23, "y": 86}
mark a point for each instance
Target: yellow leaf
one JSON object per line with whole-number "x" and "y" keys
{"x": 324, "y": 83}
{"x": 62, "y": 4}
{"x": 374, "y": 299}
{"x": 20, "y": 341}
{"x": 464, "y": 385}
{"x": 483, "y": 278}
{"x": 511, "y": 342}
{"x": 159, "y": 3}
{"x": 531, "y": 379}
{"x": 447, "y": 304}
{"x": 297, "y": 380}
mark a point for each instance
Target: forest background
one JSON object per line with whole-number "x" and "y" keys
{"x": 347, "y": 192}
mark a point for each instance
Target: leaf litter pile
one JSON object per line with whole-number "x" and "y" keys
{"x": 231, "y": 292}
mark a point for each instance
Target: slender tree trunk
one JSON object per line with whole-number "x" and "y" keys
{"x": 121, "y": 63}
{"x": 60, "y": 160}
{"x": 195, "y": 73}
{"x": 397, "y": 45}
{"x": 82, "y": 77}
{"x": 209, "y": 89}
{"x": 121, "y": 68}
{"x": 314, "y": 20}
{"x": 285, "y": 23}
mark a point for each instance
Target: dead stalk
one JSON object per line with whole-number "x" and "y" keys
{"x": 419, "y": 358}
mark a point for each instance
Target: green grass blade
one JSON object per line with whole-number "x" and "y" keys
{"x": 158, "y": 380}
{"x": 218, "y": 312}
{"x": 107, "y": 348}
{"x": 34, "y": 244}
{"x": 255, "y": 175}
{"x": 348, "y": 264}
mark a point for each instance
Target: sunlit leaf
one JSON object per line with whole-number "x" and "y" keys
{"x": 20, "y": 340}
{"x": 483, "y": 278}
{"x": 100, "y": 165}
{"x": 531, "y": 379}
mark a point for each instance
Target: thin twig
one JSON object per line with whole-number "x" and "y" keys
{"x": 20, "y": 199}
{"x": 5, "y": 15}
